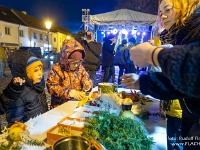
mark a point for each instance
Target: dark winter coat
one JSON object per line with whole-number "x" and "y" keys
{"x": 188, "y": 55}
{"x": 108, "y": 53}
{"x": 121, "y": 55}
{"x": 159, "y": 86}
{"x": 92, "y": 50}
{"x": 20, "y": 103}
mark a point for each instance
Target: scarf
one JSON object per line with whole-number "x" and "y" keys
{"x": 178, "y": 34}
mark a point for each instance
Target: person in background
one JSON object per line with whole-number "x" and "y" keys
{"x": 3, "y": 58}
{"x": 93, "y": 50}
{"x": 24, "y": 97}
{"x": 131, "y": 65}
{"x": 121, "y": 56}
{"x": 181, "y": 21}
{"x": 173, "y": 113}
{"x": 108, "y": 57}
{"x": 68, "y": 79}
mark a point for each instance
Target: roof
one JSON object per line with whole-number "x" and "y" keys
{"x": 29, "y": 20}
{"x": 124, "y": 17}
{"x": 36, "y": 23}
{"x": 62, "y": 30}
{"x": 17, "y": 17}
{"x": 7, "y": 15}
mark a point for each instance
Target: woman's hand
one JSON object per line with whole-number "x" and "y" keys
{"x": 131, "y": 81}
{"x": 18, "y": 81}
{"x": 141, "y": 54}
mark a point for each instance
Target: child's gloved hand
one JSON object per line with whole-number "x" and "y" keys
{"x": 86, "y": 87}
{"x": 18, "y": 81}
{"x": 79, "y": 95}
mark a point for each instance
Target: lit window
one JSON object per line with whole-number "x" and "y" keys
{"x": 21, "y": 33}
{"x": 35, "y": 35}
{"x": 7, "y": 30}
{"x": 41, "y": 37}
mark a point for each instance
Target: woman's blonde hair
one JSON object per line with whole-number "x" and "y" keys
{"x": 184, "y": 9}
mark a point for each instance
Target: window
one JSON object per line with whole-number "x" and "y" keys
{"x": 7, "y": 30}
{"x": 35, "y": 35}
{"x": 21, "y": 33}
{"x": 41, "y": 37}
{"x": 46, "y": 37}
{"x": 54, "y": 39}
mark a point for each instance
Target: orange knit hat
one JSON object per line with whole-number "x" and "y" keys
{"x": 32, "y": 63}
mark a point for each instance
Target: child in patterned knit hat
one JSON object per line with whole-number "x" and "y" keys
{"x": 24, "y": 97}
{"x": 69, "y": 79}
{"x": 34, "y": 70}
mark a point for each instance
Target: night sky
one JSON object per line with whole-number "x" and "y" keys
{"x": 67, "y": 13}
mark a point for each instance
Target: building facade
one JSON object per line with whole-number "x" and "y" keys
{"x": 19, "y": 29}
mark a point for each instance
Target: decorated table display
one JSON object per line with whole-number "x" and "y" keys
{"x": 98, "y": 119}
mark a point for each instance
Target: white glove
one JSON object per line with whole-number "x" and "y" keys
{"x": 131, "y": 81}
{"x": 86, "y": 87}
{"x": 79, "y": 95}
{"x": 141, "y": 54}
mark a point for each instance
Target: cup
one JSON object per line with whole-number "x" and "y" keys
{"x": 126, "y": 106}
{"x": 107, "y": 88}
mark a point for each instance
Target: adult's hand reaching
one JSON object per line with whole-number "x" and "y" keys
{"x": 141, "y": 54}
{"x": 131, "y": 81}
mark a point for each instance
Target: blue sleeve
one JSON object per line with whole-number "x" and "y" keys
{"x": 181, "y": 64}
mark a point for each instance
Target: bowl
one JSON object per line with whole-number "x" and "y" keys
{"x": 72, "y": 143}
{"x": 107, "y": 88}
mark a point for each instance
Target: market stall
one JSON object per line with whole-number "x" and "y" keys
{"x": 41, "y": 125}
{"x": 138, "y": 24}
{"x": 155, "y": 126}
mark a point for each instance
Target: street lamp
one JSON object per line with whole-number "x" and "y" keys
{"x": 48, "y": 26}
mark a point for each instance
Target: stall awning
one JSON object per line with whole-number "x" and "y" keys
{"x": 124, "y": 16}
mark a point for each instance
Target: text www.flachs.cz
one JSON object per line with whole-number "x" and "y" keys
{"x": 187, "y": 144}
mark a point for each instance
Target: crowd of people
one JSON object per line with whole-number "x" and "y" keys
{"x": 174, "y": 50}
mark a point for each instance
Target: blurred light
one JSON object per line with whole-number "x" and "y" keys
{"x": 48, "y": 24}
{"x": 68, "y": 37}
{"x": 124, "y": 31}
{"x": 134, "y": 32}
{"x": 144, "y": 33}
{"x": 108, "y": 32}
{"x": 115, "y": 31}
{"x": 46, "y": 45}
{"x": 102, "y": 32}
{"x": 138, "y": 33}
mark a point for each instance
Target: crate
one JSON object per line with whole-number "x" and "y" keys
{"x": 68, "y": 121}
{"x": 53, "y": 136}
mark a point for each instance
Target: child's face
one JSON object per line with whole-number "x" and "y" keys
{"x": 38, "y": 73}
{"x": 74, "y": 64}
